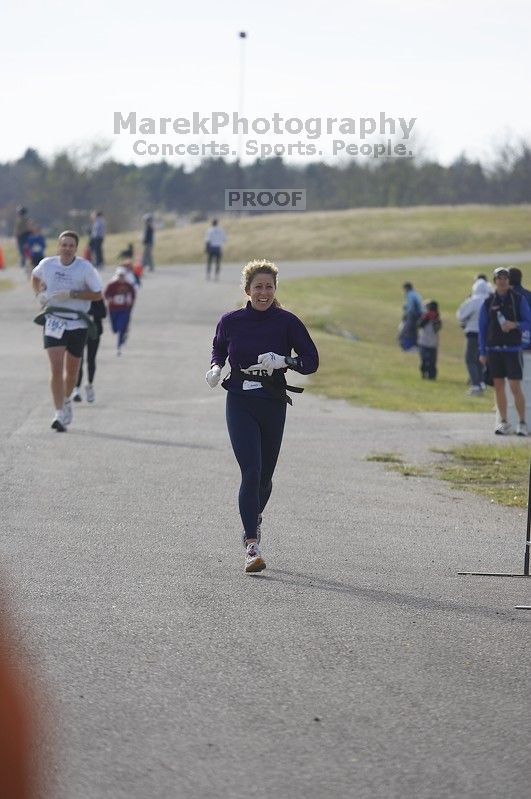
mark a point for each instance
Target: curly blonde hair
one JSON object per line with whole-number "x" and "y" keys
{"x": 257, "y": 267}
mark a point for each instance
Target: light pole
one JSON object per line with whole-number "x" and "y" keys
{"x": 242, "y": 36}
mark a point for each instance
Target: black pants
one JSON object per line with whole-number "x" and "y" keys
{"x": 255, "y": 428}
{"x": 22, "y": 241}
{"x": 96, "y": 246}
{"x": 475, "y": 369}
{"x": 214, "y": 253}
{"x": 428, "y": 362}
{"x": 92, "y": 349}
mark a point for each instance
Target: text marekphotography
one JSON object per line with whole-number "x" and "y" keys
{"x": 262, "y": 137}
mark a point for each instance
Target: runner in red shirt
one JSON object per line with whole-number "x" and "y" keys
{"x": 120, "y": 296}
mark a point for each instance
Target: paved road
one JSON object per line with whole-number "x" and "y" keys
{"x": 358, "y": 665}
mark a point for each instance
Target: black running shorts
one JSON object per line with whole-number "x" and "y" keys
{"x": 505, "y": 364}
{"x": 73, "y": 340}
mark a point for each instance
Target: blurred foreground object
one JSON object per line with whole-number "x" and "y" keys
{"x": 17, "y": 720}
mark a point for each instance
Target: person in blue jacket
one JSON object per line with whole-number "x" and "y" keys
{"x": 515, "y": 281}
{"x": 258, "y": 341}
{"x": 412, "y": 311}
{"x": 37, "y": 245}
{"x": 504, "y": 316}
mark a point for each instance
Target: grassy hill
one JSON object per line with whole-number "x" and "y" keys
{"x": 354, "y": 319}
{"x": 355, "y": 233}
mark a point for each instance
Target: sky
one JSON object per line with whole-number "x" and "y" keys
{"x": 456, "y": 72}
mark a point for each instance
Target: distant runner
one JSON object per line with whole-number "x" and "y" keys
{"x": 97, "y": 313}
{"x": 65, "y": 286}
{"x": 215, "y": 239}
{"x": 120, "y": 296}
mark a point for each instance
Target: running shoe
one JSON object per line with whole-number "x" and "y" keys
{"x": 58, "y": 422}
{"x": 76, "y": 395}
{"x": 90, "y": 394}
{"x": 521, "y": 429}
{"x": 254, "y": 561}
{"x": 475, "y": 391}
{"x": 258, "y": 532}
{"x": 503, "y": 429}
{"x": 68, "y": 413}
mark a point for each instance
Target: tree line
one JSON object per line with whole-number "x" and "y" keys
{"x": 61, "y": 192}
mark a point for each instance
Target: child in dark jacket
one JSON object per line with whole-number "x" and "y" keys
{"x": 428, "y": 340}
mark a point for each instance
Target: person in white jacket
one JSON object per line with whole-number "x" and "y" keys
{"x": 468, "y": 316}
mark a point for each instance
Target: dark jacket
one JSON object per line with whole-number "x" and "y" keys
{"x": 98, "y": 311}
{"x": 514, "y": 308}
{"x": 526, "y": 334}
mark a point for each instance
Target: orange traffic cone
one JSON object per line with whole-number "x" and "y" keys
{"x": 2, "y": 259}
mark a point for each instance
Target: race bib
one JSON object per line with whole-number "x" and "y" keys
{"x": 250, "y": 385}
{"x": 54, "y": 326}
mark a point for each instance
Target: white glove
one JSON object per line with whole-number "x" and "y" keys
{"x": 268, "y": 361}
{"x": 213, "y": 375}
{"x": 60, "y": 296}
{"x": 42, "y": 299}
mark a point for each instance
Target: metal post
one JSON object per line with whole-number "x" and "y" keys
{"x": 528, "y": 534}
{"x": 243, "y": 36}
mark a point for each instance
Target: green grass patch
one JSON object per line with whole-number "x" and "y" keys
{"x": 409, "y": 470}
{"x": 363, "y": 363}
{"x": 330, "y": 235}
{"x": 500, "y": 473}
{"x": 384, "y": 457}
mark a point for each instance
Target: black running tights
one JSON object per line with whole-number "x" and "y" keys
{"x": 256, "y": 426}
{"x": 92, "y": 349}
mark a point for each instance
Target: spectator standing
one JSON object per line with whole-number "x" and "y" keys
{"x": 215, "y": 239}
{"x": 148, "y": 241}
{"x": 468, "y": 316}
{"x": 37, "y": 245}
{"x": 502, "y": 319}
{"x": 412, "y": 311}
{"x": 97, "y": 236}
{"x": 428, "y": 340}
{"x": 482, "y": 276}
{"x": 23, "y": 230}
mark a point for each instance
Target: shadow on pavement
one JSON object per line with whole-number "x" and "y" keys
{"x": 381, "y": 596}
{"x": 131, "y": 440}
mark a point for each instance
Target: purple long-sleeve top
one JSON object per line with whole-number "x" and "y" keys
{"x": 245, "y": 334}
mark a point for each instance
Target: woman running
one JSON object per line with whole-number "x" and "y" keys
{"x": 258, "y": 341}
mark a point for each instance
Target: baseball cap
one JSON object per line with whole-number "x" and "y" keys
{"x": 121, "y": 271}
{"x": 501, "y": 271}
